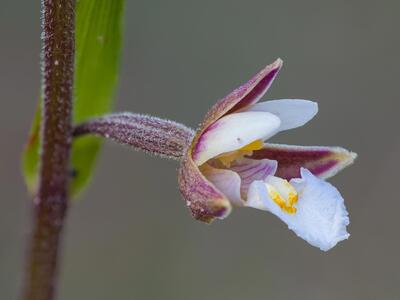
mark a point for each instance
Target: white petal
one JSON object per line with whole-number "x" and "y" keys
{"x": 321, "y": 216}
{"x": 292, "y": 112}
{"x": 233, "y": 132}
{"x": 228, "y": 182}
{"x": 257, "y": 196}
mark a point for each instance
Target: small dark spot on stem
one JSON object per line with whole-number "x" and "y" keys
{"x": 73, "y": 173}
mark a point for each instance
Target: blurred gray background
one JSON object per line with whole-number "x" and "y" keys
{"x": 131, "y": 237}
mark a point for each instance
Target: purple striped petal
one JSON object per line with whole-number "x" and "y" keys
{"x": 235, "y": 181}
{"x": 323, "y": 162}
{"x": 250, "y": 170}
{"x": 245, "y": 95}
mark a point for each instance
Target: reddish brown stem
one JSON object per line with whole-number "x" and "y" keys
{"x": 154, "y": 135}
{"x": 52, "y": 200}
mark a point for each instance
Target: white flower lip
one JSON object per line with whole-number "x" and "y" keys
{"x": 321, "y": 216}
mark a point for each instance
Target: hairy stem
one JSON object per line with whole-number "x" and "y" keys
{"x": 142, "y": 132}
{"x": 51, "y": 201}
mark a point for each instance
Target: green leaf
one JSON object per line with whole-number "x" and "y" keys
{"x": 99, "y": 26}
{"x": 30, "y": 157}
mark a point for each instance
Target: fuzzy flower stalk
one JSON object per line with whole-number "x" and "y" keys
{"x": 228, "y": 163}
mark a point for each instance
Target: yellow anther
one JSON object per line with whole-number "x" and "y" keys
{"x": 282, "y": 193}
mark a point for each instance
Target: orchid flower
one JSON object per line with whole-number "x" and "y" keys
{"x": 230, "y": 164}
{"x": 227, "y": 163}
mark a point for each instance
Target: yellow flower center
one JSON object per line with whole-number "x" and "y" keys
{"x": 282, "y": 193}
{"x": 227, "y": 158}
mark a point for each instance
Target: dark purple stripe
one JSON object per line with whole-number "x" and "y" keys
{"x": 257, "y": 91}
{"x": 290, "y": 161}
